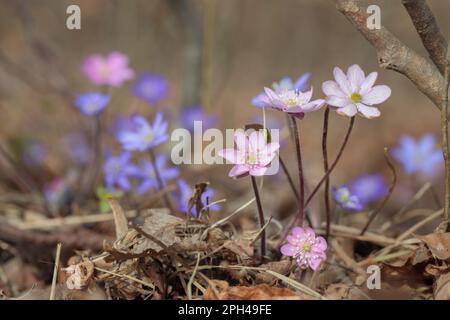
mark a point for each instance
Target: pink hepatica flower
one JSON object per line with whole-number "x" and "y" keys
{"x": 252, "y": 156}
{"x": 111, "y": 70}
{"x": 293, "y": 101}
{"x": 355, "y": 93}
{"x": 305, "y": 248}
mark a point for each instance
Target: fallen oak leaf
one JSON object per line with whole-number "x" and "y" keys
{"x": 442, "y": 287}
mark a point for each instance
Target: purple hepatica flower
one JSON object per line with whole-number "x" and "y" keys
{"x": 305, "y": 247}
{"x": 117, "y": 170}
{"x": 286, "y": 83}
{"x": 195, "y": 113}
{"x": 420, "y": 156}
{"x": 353, "y": 92}
{"x": 346, "y": 199}
{"x": 369, "y": 188}
{"x": 185, "y": 193}
{"x": 111, "y": 70}
{"x": 294, "y": 102}
{"x": 143, "y": 136}
{"x": 34, "y": 154}
{"x": 147, "y": 173}
{"x": 252, "y": 156}
{"x": 92, "y": 103}
{"x": 77, "y": 149}
{"x": 151, "y": 88}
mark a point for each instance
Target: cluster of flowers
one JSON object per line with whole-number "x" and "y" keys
{"x": 134, "y": 133}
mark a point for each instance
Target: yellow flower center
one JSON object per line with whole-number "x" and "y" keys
{"x": 306, "y": 247}
{"x": 149, "y": 137}
{"x": 355, "y": 97}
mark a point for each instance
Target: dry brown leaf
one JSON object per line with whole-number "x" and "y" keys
{"x": 442, "y": 287}
{"x": 79, "y": 275}
{"x": 221, "y": 290}
{"x": 161, "y": 226}
{"x": 439, "y": 244}
{"x": 282, "y": 267}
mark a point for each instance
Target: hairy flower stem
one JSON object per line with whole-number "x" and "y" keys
{"x": 288, "y": 176}
{"x": 325, "y": 168}
{"x": 160, "y": 182}
{"x": 261, "y": 217}
{"x": 335, "y": 162}
{"x": 445, "y": 143}
{"x": 301, "y": 194}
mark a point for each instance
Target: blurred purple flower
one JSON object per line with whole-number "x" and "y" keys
{"x": 285, "y": 83}
{"x": 34, "y": 154}
{"x": 369, "y": 188}
{"x": 418, "y": 156}
{"x": 92, "y": 103}
{"x": 147, "y": 173}
{"x": 117, "y": 170}
{"x": 185, "y": 193}
{"x": 353, "y": 92}
{"x": 346, "y": 199}
{"x": 111, "y": 70}
{"x": 76, "y": 147}
{"x": 142, "y": 136}
{"x": 307, "y": 249}
{"x": 195, "y": 113}
{"x": 151, "y": 88}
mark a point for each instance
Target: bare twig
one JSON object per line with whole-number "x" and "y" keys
{"x": 426, "y": 26}
{"x": 325, "y": 169}
{"x": 444, "y": 133}
{"x": 394, "y": 55}
{"x": 55, "y": 272}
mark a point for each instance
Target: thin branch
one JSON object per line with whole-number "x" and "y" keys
{"x": 444, "y": 133}
{"x": 426, "y": 26}
{"x": 325, "y": 168}
{"x": 394, "y": 55}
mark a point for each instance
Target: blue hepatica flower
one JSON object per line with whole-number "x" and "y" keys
{"x": 346, "y": 199}
{"x": 147, "y": 173}
{"x": 76, "y": 147}
{"x": 418, "y": 156}
{"x": 151, "y": 88}
{"x": 369, "y": 188}
{"x": 142, "y": 136}
{"x": 34, "y": 154}
{"x": 186, "y": 192}
{"x": 117, "y": 170}
{"x": 285, "y": 83}
{"x": 92, "y": 103}
{"x": 195, "y": 113}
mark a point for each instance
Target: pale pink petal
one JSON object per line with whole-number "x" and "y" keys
{"x": 342, "y": 81}
{"x": 336, "y": 101}
{"x": 272, "y": 147}
{"x": 257, "y": 140}
{"x": 238, "y": 170}
{"x": 349, "y": 110}
{"x": 298, "y": 232}
{"x": 331, "y": 88}
{"x": 241, "y": 140}
{"x": 230, "y": 155}
{"x": 310, "y": 233}
{"x": 313, "y": 105}
{"x": 307, "y": 95}
{"x": 315, "y": 263}
{"x": 288, "y": 250}
{"x": 258, "y": 171}
{"x": 320, "y": 245}
{"x": 274, "y": 99}
{"x": 368, "y": 83}
{"x": 355, "y": 76}
{"x": 368, "y": 112}
{"x": 376, "y": 95}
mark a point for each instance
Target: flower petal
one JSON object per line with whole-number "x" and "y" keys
{"x": 368, "y": 112}
{"x": 368, "y": 83}
{"x": 349, "y": 110}
{"x": 288, "y": 250}
{"x": 337, "y": 101}
{"x": 376, "y": 95}
{"x": 355, "y": 76}
{"x": 258, "y": 171}
{"x": 342, "y": 81}
{"x": 331, "y": 88}
{"x": 230, "y": 155}
{"x": 238, "y": 170}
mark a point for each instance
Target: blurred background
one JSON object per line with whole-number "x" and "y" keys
{"x": 218, "y": 54}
